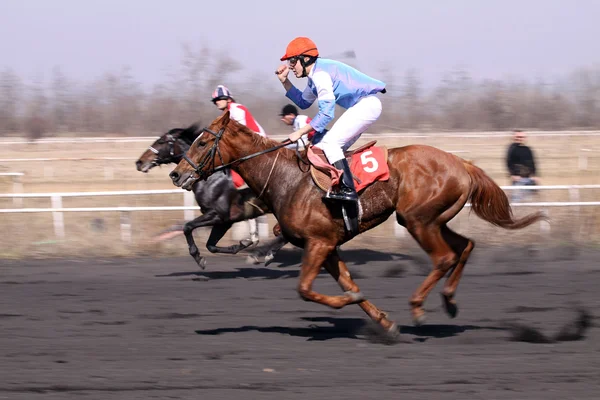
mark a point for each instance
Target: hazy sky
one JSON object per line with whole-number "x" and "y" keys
{"x": 489, "y": 38}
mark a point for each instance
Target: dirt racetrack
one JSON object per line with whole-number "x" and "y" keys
{"x": 163, "y": 329}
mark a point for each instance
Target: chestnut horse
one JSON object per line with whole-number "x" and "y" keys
{"x": 426, "y": 189}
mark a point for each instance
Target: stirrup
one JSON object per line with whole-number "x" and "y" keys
{"x": 339, "y": 195}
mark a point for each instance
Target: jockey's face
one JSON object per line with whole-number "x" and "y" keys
{"x": 221, "y": 104}
{"x": 296, "y": 67}
{"x": 288, "y": 119}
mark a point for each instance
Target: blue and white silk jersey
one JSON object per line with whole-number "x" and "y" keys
{"x": 332, "y": 82}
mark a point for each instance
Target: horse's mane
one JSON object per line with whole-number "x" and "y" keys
{"x": 262, "y": 141}
{"x": 192, "y": 132}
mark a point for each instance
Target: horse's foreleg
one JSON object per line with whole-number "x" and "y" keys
{"x": 217, "y": 233}
{"x": 463, "y": 246}
{"x": 315, "y": 254}
{"x": 338, "y": 269}
{"x": 430, "y": 239}
{"x": 208, "y": 219}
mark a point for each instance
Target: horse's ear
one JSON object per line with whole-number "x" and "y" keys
{"x": 174, "y": 132}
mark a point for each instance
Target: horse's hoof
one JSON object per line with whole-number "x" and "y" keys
{"x": 356, "y": 297}
{"x": 393, "y": 332}
{"x": 201, "y": 261}
{"x": 252, "y": 259}
{"x": 450, "y": 306}
{"x": 269, "y": 258}
{"x": 246, "y": 243}
{"x": 420, "y": 319}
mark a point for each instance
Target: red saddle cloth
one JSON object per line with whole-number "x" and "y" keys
{"x": 368, "y": 164}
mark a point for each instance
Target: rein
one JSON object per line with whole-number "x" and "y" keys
{"x": 239, "y": 160}
{"x": 210, "y": 156}
{"x": 269, "y": 177}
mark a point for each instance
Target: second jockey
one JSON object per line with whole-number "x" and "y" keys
{"x": 224, "y": 101}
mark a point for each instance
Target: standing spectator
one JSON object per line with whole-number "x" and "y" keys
{"x": 521, "y": 164}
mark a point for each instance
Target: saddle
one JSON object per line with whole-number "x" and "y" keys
{"x": 326, "y": 175}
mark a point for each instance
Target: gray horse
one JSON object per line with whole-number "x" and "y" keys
{"x": 221, "y": 203}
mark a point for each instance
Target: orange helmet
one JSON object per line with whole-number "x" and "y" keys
{"x": 301, "y": 46}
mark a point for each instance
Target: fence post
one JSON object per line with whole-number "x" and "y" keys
{"x": 17, "y": 188}
{"x": 263, "y": 226}
{"x": 545, "y": 225}
{"x": 574, "y": 197}
{"x": 240, "y": 230}
{"x": 57, "y": 216}
{"x": 188, "y": 201}
{"x": 125, "y": 226}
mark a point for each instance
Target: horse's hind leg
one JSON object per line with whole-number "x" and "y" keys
{"x": 443, "y": 257}
{"x": 463, "y": 246}
{"x": 268, "y": 250}
{"x": 217, "y": 233}
{"x": 274, "y": 247}
{"x": 338, "y": 269}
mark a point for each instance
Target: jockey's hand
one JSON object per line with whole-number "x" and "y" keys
{"x": 295, "y": 136}
{"x": 282, "y": 73}
{"x": 300, "y": 132}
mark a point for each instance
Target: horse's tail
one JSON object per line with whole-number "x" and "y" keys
{"x": 491, "y": 204}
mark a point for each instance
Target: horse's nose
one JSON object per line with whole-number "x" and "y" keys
{"x": 174, "y": 175}
{"x": 138, "y": 165}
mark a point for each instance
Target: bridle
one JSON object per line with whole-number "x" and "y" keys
{"x": 158, "y": 160}
{"x": 209, "y": 157}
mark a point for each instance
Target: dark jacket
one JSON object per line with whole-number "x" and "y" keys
{"x": 520, "y": 161}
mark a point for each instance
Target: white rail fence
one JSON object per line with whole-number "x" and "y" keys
{"x": 134, "y": 139}
{"x": 584, "y": 155}
{"x": 109, "y": 167}
{"x": 189, "y": 206}
{"x": 49, "y": 169}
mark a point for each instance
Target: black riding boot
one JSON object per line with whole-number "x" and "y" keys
{"x": 345, "y": 191}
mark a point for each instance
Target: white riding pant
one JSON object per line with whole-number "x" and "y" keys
{"x": 348, "y": 128}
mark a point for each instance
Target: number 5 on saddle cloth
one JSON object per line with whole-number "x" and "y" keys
{"x": 368, "y": 164}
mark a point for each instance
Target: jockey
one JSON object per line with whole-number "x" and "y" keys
{"x": 331, "y": 82}
{"x": 289, "y": 116}
{"x": 221, "y": 97}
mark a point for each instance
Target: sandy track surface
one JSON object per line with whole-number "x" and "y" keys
{"x": 163, "y": 329}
